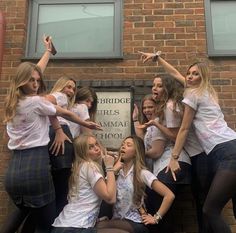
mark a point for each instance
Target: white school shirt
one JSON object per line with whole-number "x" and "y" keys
{"x": 83, "y": 208}
{"x": 82, "y": 111}
{"x": 30, "y": 126}
{"x": 173, "y": 120}
{"x": 124, "y": 207}
{"x": 153, "y": 134}
{"x": 62, "y": 101}
{"x": 209, "y": 124}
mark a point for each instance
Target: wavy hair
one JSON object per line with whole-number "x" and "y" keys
{"x": 60, "y": 84}
{"x": 23, "y": 75}
{"x": 205, "y": 84}
{"x": 139, "y": 185}
{"x": 171, "y": 90}
{"x": 81, "y": 149}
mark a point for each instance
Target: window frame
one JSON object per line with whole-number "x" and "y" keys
{"x": 212, "y": 52}
{"x": 117, "y": 53}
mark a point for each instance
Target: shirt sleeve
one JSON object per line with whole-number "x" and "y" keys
{"x": 157, "y": 135}
{"x": 148, "y": 177}
{"x": 44, "y": 107}
{"x": 61, "y": 99}
{"x": 191, "y": 99}
{"x": 93, "y": 174}
{"x": 172, "y": 116}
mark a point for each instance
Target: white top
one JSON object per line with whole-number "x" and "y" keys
{"x": 209, "y": 124}
{"x": 30, "y": 126}
{"x": 82, "y": 111}
{"x": 124, "y": 207}
{"x": 62, "y": 101}
{"x": 153, "y": 134}
{"x": 173, "y": 120}
{"x": 83, "y": 208}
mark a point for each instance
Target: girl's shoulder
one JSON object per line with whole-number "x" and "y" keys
{"x": 172, "y": 105}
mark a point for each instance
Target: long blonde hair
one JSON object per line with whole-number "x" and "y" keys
{"x": 23, "y": 75}
{"x": 61, "y": 84}
{"x": 139, "y": 185}
{"x": 81, "y": 149}
{"x": 205, "y": 84}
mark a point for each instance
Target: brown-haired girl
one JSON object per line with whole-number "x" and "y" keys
{"x": 131, "y": 182}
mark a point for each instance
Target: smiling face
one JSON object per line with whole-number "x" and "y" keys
{"x": 193, "y": 77}
{"x": 69, "y": 89}
{"x": 149, "y": 109}
{"x": 94, "y": 152}
{"x": 157, "y": 89}
{"x": 33, "y": 85}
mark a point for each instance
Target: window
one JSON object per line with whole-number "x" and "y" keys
{"x": 220, "y": 26}
{"x": 80, "y": 28}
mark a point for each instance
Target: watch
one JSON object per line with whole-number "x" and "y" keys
{"x": 157, "y": 217}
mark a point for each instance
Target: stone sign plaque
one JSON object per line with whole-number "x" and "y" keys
{"x": 114, "y": 115}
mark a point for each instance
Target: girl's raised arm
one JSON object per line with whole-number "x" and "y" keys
{"x": 167, "y": 66}
{"x": 107, "y": 190}
{"x": 46, "y": 56}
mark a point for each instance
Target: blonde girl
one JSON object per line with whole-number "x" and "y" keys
{"x": 28, "y": 181}
{"x": 217, "y": 139}
{"x": 133, "y": 177}
{"x": 87, "y": 188}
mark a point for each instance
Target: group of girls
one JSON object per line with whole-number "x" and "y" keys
{"x": 28, "y": 180}
{"x": 173, "y": 134}
{"x": 214, "y": 166}
{"x": 42, "y": 156}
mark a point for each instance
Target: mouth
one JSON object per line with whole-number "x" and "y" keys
{"x": 155, "y": 96}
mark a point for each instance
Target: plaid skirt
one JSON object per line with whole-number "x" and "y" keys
{"x": 28, "y": 180}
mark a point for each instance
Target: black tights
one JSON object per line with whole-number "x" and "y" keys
{"x": 43, "y": 216}
{"x": 223, "y": 188}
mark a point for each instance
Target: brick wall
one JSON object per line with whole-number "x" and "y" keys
{"x": 177, "y": 27}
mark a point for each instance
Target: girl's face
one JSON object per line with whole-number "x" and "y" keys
{"x": 32, "y": 86}
{"x": 94, "y": 152}
{"x": 69, "y": 89}
{"x": 149, "y": 109}
{"x": 127, "y": 150}
{"x": 193, "y": 78}
{"x": 157, "y": 89}
{"x": 88, "y": 102}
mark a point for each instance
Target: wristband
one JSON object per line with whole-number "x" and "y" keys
{"x": 57, "y": 128}
{"x": 174, "y": 156}
{"x": 157, "y": 217}
{"x": 157, "y": 54}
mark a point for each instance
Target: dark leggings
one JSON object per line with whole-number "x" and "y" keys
{"x": 61, "y": 182}
{"x": 222, "y": 189}
{"x": 43, "y": 216}
{"x": 201, "y": 181}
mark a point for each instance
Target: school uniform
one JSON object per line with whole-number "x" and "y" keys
{"x": 28, "y": 180}
{"x": 82, "y": 210}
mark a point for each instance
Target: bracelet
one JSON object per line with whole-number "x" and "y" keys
{"x": 157, "y": 217}
{"x": 110, "y": 169}
{"x": 57, "y": 128}
{"x": 174, "y": 156}
{"x": 135, "y": 120}
{"x": 157, "y": 54}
